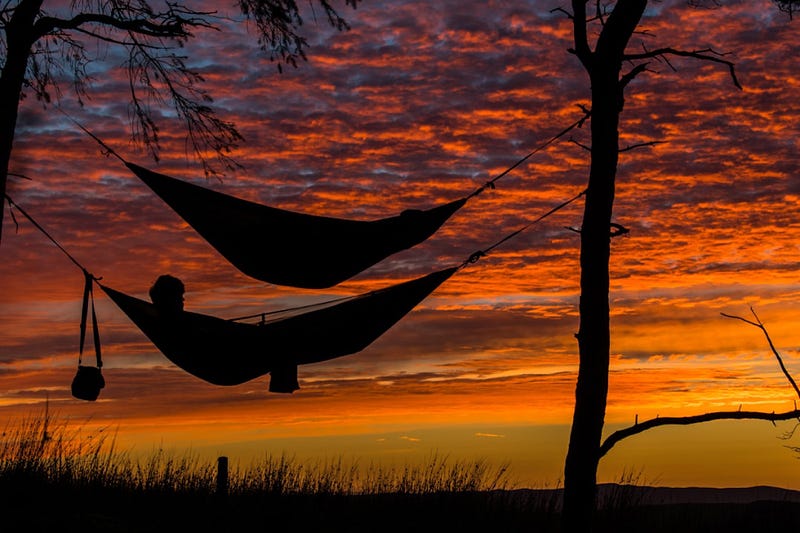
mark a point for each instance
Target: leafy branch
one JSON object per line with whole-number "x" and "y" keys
{"x": 54, "y": 48}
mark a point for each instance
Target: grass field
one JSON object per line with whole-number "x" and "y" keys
{"x": 53, "y": 478}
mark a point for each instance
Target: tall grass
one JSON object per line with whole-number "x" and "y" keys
{"x": 286, "y": 475}
{"x": 41, "y": 448}
{"x": 52, "y": 474}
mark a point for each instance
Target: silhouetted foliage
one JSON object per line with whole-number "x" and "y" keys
{"x": 39, "y": 48}
{"x": 788, "y": 6}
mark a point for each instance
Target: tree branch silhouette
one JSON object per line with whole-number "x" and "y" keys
{"x": 773, "y": 417}
{"x": 641, "y": 145}
{"x": 760, "y": 325}
{"x": 578, "y": 18}
{"x": 40, "y": 51}
{"x": 788, "y": 6}
{"x": 706, "y": 54}
{"x": 621, "y": 434}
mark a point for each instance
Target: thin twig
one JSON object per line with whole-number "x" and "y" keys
{"x": 581, "y": 145}
{"x": 640, "y": 145}
{"x": 706, "y": 54}
{"x": 760, "y": 325}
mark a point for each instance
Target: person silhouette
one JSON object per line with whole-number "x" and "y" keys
{"x": 167, "y": 294}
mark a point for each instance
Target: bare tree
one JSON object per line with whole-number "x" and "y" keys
{"x": 38, "y": 48}
{"x": 603, "y": 59}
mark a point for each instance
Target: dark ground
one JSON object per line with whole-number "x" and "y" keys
{"x": 630, "y": 509}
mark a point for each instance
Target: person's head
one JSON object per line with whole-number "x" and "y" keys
{"x": 167, "y": 293}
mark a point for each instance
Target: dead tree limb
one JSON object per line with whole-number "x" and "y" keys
{"x": 773, "y": 417}
{"x": 707, "y": 54}
{"x": 760, "y": 325}
{"x": 640, "y": 145}
{"x": 621, "y": 434}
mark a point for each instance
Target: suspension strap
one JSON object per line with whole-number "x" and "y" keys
{"x": 13, "y": 204}
{"x": 577, "y": 124}
{"x": 106, "y": 150}
{"x": 480, "y": 253}
{"x": 88, "y": 295}
{"x": 88, "y": 292}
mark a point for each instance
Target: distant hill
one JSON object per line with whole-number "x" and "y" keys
{"x": 672, "y": 495}
{"x": 616, "y": 495}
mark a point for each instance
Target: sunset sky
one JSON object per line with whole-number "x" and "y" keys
{"x": 418, "y": 104}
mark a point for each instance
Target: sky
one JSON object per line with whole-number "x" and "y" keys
{"x": 418, "y": 104}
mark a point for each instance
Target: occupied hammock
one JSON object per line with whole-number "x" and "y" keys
{"x": 225, "y": 352}
{"x": 296, "y": 249}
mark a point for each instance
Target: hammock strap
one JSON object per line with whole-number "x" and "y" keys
{"x": 577, "y": 124}
{"x": 13, "y": 204}
{"x": 107, "y": 150}
{"x": 263, "y": 315}
{"x": 88, "y": 295}
{"x": 480, "y": 253}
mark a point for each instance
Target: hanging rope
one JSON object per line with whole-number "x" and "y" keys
{"x": 263, "y": 316}
{"x": 88, "y": 292}
{"x": 88, "y": 295}
{"x": 89, "y": 380}
{"x": 15, "y": 205}
{"x": 577, "y": 124}
{"x": 107, "y": 150}
{"x": 481, "y": 253}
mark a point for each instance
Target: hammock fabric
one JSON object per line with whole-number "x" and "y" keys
{"x": 288, "y": 248}
{"x": 225, "y": 352}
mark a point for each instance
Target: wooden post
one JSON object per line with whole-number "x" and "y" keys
{"x": 222, "y": 476}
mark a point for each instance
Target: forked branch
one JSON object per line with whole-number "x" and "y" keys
{"x": 706, "y": 54}
{"x": 760, "y": 325}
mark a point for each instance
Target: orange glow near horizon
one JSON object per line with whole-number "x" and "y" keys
{"x": 412, "y": 107}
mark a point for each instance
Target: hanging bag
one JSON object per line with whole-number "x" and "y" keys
{"x": 89, "y": 380}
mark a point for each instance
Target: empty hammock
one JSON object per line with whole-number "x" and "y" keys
{"x": 296, "y": 249}
{"x": 288, "y": 248}
{"x": 225, "y": 352}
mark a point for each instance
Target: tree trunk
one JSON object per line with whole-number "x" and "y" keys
{"x": 593, "y": 336}
{"x": 604, "y": 66}
{"x": 19, "y": 38}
